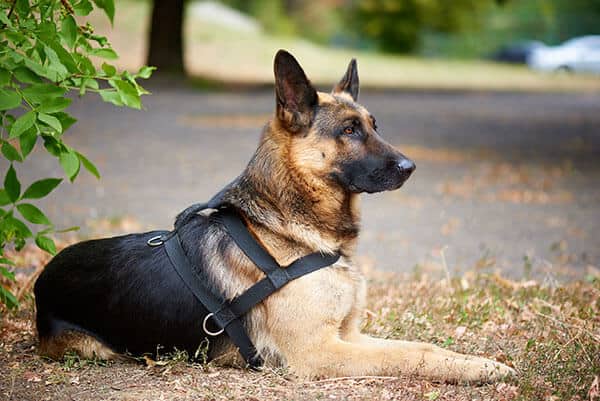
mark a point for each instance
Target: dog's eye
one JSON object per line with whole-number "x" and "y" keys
{"x": 374, "y": 123}
{"x": 349, "y": 130}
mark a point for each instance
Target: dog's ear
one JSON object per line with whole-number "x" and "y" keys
{"x": 295, "y": 95}
{"x": 349, "y": 82}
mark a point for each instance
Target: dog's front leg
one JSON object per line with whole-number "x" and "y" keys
{"x": 371, "y": 356}
{"x": 421, "y": 358}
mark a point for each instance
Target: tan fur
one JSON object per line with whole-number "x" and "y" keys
{"x": 86, "y": 346}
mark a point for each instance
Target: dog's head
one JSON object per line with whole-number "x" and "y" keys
{"x": 332, "y": 138}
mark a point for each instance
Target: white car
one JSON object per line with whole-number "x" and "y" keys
{"x": 577, "y": 55}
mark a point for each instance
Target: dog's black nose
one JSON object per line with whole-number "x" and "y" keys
{"x": 406, "y": 166}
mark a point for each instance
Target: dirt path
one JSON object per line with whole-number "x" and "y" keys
{"x": 499, "y": 176}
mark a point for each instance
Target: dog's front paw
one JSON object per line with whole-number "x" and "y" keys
{"x": 487, "y": 371}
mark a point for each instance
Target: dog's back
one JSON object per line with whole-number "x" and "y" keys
{"x": 121, "y": 292}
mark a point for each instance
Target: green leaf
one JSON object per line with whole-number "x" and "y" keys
{"x": 106, "y": 53}
{"x": 22, "y": 124}
{"x": 83, "y": 7}
{"x": 4, "y": 19}
{"x": 128, "y": 93}
{"x": 69, "y": 30}
{"x": 8, "y": 299}
{"x": 89, "y": 166}
{"x": 18, "y": 226}
{"x": 108, "y": 6}
{"x": 46, "y": 244}
{"x": 5, "y": 272}
{"x": 41, "y": 92}
{"x": 87, "y": 83}
{"x": 109, "y": 70}
{"x": 4, "y": 261}
{"x": 4, "y": 199}
{"x": 27, "y": 141}
{"x": 66, "y": 120}
{"x": 111, "y": 96}
{"x": 85, "y": 65}
{"x": 26, "y": 76}
{"x": 56, "y": 70}
{"x": 41, "y": 188}
{"x": 22, "y": 7}
{"x": 145, "y": 72}
{"x": 10, "y": 152}
{"x": 92, "y": 83}
{"x": 64, "y": 56}
{"x": 12, "y": 186}
{"x": 70, "y": 164}
{"x": 33, "y": 214}
{"x": 51, "y": 121}
{"x": 54, "y": 105}
{"x": 38, "y": 69}
{"x": 9, "y": 99}
{"x": 53, "y": 146}
{"x": 4, "y": 77}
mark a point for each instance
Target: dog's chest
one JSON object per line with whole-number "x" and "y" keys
{"x": 325, "y": 295}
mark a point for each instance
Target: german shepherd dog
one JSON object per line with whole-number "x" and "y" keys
{"x": 299, "y": 194}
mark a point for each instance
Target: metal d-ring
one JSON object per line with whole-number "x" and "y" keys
{"x": 206, "y": 330}
{"x": 155, "y": 241}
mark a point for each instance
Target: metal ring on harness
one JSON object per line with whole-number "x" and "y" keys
{"x": 155, "y": 241}
{"x": 206, "y": 330}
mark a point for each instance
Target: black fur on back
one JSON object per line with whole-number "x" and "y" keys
{"x": 126, "y": 293}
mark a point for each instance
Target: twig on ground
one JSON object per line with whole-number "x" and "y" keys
{"x": 26, "y": 288}
{"x": 560, "y": 350}
{"x": 445, "y": 265}
{"x": 574, "y": 326}
{"x": 334, "y": 379}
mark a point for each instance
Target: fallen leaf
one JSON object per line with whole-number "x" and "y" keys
{"x": 32, "y": 377}
{"x": 594, "y": 392}
{"x": 460, "y": 331}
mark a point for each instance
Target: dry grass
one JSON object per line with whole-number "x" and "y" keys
{"x": 549, "y": 332}
{"x": 235, "y": 57}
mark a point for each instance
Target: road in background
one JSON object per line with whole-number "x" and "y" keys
{"x": 500, "y": 176}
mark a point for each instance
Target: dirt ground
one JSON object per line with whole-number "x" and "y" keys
{"x": 550, "y": 333}
{"x": 509, "y": 176}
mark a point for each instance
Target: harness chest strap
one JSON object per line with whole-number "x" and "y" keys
{"x": 227, "y": 314}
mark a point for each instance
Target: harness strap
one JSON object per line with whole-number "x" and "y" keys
{"x": 238, "y": 231}
{"x": 226, "y": 314}
{"x": 206, "y": 297}
{"x": 254, "y": 295}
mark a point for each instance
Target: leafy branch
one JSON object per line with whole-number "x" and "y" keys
{"x": 44, "y": 54}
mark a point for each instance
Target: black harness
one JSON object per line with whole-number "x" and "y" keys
{"x": 226, "y": 314}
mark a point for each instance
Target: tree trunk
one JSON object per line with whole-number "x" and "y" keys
{"x": 166, "y": 39}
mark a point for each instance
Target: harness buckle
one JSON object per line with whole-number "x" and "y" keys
{"x": 206, "y": 330}
{"x": 155, "y": 241}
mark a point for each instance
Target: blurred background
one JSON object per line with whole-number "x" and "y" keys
{"x": 498, "y": 102}
{"x": 400, "y": 43}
